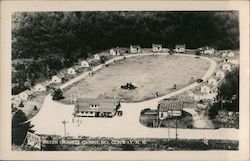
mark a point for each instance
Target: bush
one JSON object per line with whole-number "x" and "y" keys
{"x": 128, "y": 86}
{"x": 57, "y": 94}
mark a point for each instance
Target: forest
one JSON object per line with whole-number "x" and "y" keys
{"x": 55, "y": 40}
{"x": 46, "y": 33}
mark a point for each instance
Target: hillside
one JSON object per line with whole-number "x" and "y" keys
{"x": 78, "y": 33}
{"x": 45, "y": 42}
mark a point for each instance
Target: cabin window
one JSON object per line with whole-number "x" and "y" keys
{"x": 94, "y": 106}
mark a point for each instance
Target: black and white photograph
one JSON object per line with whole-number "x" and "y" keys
{"x": 126, "y": 80}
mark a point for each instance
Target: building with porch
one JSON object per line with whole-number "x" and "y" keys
{"x": 169, "y": 108}
{"x": 96, "y": 107}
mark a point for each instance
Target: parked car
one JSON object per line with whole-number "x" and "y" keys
{"x": 199, "y": 80}
{"x": 119, "y": 113}
{"x": 144, "y": 110}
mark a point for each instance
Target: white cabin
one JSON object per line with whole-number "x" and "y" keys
{"x": 135, "y": 48}
{"x": 25, "y": 95}
{"x": 220, "y": 74}
{"x": 208, "y": 50}
{"x": 39, "y": 88}
{"x": 180, "y": 48}
{"x": 205, "y": 89}
{"x": 212, "y": 81}
{"x": 230, "y": 54}
{"x": 226, "y": 67}
{"x": 56, "y": 79}
{"x": 114, "y": 52}
{"x": 157, "y": 47}
{"x": 71, "y": 71}
{"x": 84, "y": 64}
{"x": 97, "y": 57}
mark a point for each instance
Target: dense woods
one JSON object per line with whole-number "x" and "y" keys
{"x": 78, "y": 33}
{"x": 55, "y": 40}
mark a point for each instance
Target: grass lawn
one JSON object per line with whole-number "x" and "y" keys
{"x": 150, "y": 74}
{"x": 37, "y": 101}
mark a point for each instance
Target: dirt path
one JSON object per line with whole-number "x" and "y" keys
{"x": 199, "y": 119}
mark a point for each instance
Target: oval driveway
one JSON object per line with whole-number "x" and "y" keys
{"x": 50, "y": 117}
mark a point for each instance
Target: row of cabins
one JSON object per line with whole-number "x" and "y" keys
{"x": 208, "y": 91}
{"x": 227, "y": 54}
{"x": 115, "y": 52}
{"x": 25, "y": 95}
{"x": 71, "y": 71}
{"x": 137, "y": 49}
{"x": 209, "y": 50}
{"x": 158, "y": 48}
{"x": 112, "y": 52}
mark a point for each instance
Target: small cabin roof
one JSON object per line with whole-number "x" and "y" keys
{"x": 135, "y": 46}
{"x": 169, "y": 104}
{"x": 180, "y": 45}
{"x": 157, "y": 45}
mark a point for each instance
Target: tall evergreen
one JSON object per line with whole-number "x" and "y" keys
{"x": 20, "y": 127}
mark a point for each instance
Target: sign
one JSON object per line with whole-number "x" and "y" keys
{"x": 33, "y": 140}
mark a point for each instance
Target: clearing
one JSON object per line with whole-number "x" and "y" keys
{"x": 150, "y": 74}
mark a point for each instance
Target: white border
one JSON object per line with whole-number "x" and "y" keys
{"x": 7, "y": 7}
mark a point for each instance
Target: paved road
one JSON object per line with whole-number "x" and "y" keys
{"x": 50, "y": 117}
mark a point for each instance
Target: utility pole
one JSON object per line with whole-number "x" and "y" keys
{"x": 176, "y": 130}
{"x": 64, "y": 124}
{"x": 168, "y": 131}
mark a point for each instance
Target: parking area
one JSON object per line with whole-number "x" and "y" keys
{"x": 127, "y": 126}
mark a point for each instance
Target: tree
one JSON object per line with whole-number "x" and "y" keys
{"x": 228, "y": 95}
{"x": 230, "y": 87}
{"x": 57, "y": 94}
{"x": 21, "y": 104}
{"x": 20, "y": 127}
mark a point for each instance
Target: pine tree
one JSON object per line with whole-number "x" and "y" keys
{"x": 20, "y": 127}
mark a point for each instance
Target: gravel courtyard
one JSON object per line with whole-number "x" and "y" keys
{"x": 151, "y": 74}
